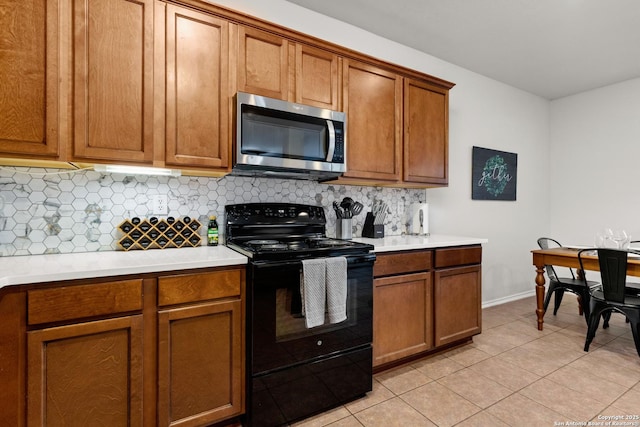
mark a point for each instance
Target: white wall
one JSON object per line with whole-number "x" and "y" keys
{"x": 488, "y": 115}
{"x": 595, "y": 147}
{"x": 484, "y": 113}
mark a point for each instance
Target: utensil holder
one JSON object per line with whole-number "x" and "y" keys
{"x": 344, "y": 229}
{"x": 371, "y": 229}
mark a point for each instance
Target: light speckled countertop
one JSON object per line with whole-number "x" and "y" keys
{"x": 410, "y": 242}
{"x": 20, "y": 270}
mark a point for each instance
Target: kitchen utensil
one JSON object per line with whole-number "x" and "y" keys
{"x": 347, "y": 205}
{"x": 379, "y": 211}
{"x": 338, "y": 210}
{"x": 346, "y": 202}
{"x": 357, "y": 208}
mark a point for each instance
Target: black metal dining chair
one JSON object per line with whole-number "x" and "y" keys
{"x": 558, "y": 285}
{"x": 612, "y": 295}
{"x": 631, "y": 288}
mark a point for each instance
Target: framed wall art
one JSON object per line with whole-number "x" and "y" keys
{"x": 493, "y": 174}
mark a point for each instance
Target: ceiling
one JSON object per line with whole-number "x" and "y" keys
{"x": 552, "y": 48}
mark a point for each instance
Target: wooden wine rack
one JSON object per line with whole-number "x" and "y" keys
{"x": 153, "y": 233}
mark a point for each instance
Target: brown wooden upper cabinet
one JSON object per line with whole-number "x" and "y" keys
{"x": 426, "y": 147}
{"x": 263, "y": 63}
{"x": 317, "y": 77}
{"x": 29, "y": 41}
{"x": 372, "y": 99}
{"x": 113, "y": 80}
{"x": 397, "y": 128}
{"x": 151, "y": 84}
{"x": 275, "y": 67}
{"x": 197, "y": 86}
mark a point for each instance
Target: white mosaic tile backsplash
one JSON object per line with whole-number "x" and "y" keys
{"x": 46, "y": 211}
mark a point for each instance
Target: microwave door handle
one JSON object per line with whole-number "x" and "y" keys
{"x": 332, "y": 140}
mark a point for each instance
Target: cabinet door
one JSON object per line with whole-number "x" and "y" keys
{"x": 457, "y": 303}
{"x": 197, "y": 89}
{"x": 402, "y": 317}
{"x": 263, "y": 63}
{"x": 113, "y": 80}
{"x": 316, "y": 77}
{"x": 426, "y": 145}
{"x": 200, "y": 363}
{"x": 29, "y": 78}
{"x": 373, "y": 103}
{"x": 86, "y": 374}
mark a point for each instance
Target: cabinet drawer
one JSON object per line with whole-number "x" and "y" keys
{"x": 458, "y": 256}
{"x": 80, "y": 301}
{"x": 403, "y": 262}
{"x": 183, "y": 288}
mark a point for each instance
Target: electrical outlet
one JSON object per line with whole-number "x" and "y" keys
{"x": 160, "y": 206}
{"x": 400, "y": 208}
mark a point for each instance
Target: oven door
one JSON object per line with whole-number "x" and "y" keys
{"x": 278, "y": 334}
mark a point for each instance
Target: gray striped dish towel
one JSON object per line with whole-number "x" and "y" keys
{"x": 313, "y": 291}
{"x": 336, "y": 289}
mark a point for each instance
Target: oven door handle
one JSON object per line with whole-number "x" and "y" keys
{"x": 351, "y": 260}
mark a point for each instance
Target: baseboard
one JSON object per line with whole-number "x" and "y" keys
{"x": 510, "y": 298}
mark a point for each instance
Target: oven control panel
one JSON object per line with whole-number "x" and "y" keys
{"x": 255, "y": 213}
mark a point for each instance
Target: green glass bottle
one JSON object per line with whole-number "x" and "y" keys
{"x": 212, "y": 231}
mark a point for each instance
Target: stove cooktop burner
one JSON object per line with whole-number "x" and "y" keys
{"x": 329, "y": 242}
{"x": 273, "y": 247}
{"x": 262, "y": 242}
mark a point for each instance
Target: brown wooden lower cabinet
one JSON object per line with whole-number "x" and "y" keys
{"x": 199, "y": 364}
{"x": 425, "y": 300}
{"x": 402, "y": 313}
{"x": 86, "y": 374}
{"x": 457, "y": 303}
{"x": 133, "y": 351}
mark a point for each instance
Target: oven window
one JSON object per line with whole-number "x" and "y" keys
{"x": 291, "y": 325}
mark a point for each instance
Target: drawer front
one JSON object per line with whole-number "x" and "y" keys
{"x": 458, "y": 256}
{"x": 81, "y": 301}
{"x": 403, "y": 262}
{"x": 183, "y": 288}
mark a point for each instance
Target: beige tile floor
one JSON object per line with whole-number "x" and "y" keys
{"x": 511, "y": 375}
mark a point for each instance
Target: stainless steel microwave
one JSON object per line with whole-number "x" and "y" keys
{"x": 284, "y": 139}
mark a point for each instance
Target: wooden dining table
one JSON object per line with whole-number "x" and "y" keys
{"x": 567, "y": 257}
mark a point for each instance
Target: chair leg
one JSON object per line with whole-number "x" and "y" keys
{"x": 635, "y": 329}
{"x": 594, "y": 321}
{"x": 606, "y": 316}
{"x": 547, "y": 298}
{"x": 584, "y": 303}
{"x": 558, "y": 300}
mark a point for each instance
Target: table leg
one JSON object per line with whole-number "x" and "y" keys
{"x": 540, "y": 295}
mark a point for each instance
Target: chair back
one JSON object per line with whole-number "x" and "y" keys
{"x": 613, "y": 272}
{"x": 546, "y": 243}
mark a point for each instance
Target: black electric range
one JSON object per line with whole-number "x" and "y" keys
{"x": 295, "y": 371}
